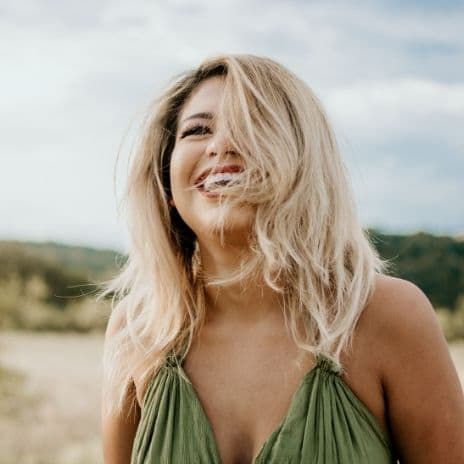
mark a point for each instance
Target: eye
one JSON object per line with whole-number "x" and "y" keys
{"x": 195, "y": 130}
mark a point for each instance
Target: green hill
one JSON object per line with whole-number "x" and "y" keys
{"x": 51, "y": 286}
{"x": 89, "y": 262}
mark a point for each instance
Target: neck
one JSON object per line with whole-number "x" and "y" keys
{"x": 253, "y": 303}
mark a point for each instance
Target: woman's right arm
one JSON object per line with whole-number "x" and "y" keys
{"x": 118, "y": 431}
{"x": 118, "y": 434}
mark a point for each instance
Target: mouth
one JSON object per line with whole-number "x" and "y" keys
{"x": 207, "y": 193}
{"x": 206, "y": 174}
{"x": 218, "y": 179}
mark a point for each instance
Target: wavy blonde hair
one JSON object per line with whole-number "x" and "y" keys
{"x": 306, "y": 240}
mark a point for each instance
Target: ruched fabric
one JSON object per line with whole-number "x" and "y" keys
{"x": 325, "y": 424}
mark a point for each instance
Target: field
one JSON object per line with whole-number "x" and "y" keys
{"x": 53, "y": 414}
{"x": 50, "y": 397}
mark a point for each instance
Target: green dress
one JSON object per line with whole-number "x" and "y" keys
{"x": 325, "y": 424}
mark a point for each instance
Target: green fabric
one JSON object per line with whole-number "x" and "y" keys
{"x": 325, "y": 424}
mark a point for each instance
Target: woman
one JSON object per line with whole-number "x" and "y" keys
{"x": 253, "y": 322}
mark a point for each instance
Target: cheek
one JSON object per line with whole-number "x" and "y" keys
{"x": 180, "y": 171}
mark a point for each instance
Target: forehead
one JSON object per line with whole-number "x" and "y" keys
{"x": 204, "y": 99}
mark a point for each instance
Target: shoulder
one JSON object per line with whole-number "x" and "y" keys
{"x": 424, "y": 399}
{"x": 400, "y": 309}
{"x": 398, "y": 319}
{"x": 404, "y": 324}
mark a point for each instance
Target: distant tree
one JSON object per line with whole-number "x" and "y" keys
{"x": 434, "y": 263}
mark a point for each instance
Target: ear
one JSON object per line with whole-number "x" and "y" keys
{"x": 171, "y": 203}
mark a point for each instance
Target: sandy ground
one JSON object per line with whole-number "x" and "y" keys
{"x": 63, "y": 377}
{"x": 57, "y": 415}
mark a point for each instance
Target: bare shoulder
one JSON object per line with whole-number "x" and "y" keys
{"x": 399, "y": 319}
{"x": 424, "y": 398}
{"x": 404, "y": 323}
{"x": 400, "y": 309}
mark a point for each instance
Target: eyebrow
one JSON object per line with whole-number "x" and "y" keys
{"x": 198, "y": 116}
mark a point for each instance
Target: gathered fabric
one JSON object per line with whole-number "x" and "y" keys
{"x": 326, "y": 423}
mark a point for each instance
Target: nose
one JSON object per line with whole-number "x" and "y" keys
{"x": 219, "y": 144}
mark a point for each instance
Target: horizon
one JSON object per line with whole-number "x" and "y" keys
{"x": 89, "y": 246}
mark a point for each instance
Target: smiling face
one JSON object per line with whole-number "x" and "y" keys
{"x": 201, "y": 144}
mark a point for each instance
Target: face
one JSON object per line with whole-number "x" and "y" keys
{"x": 200, "y": 145}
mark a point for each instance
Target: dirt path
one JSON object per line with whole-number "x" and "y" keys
{"x": 62, "y": 424}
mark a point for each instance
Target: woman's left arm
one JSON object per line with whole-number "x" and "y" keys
{"x": 424, "y": 397}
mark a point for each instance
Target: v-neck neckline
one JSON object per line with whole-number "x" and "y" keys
{"x": 320, "y": 360}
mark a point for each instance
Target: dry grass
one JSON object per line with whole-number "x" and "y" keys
{"x": 52, "y": 414}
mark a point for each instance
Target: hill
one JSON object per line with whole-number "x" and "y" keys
{"x": 51, "y": 286}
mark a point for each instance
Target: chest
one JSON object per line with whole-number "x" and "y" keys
{"x": 246, "y": 384}
{"x": 245, "y": 389}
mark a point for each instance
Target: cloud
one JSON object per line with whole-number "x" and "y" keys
{"x": 397, "y": 196}
{"x": 75, "y": 76}
{"x": 384, "y": 110}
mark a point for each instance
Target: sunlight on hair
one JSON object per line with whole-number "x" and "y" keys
{"x": 306, "y": 240}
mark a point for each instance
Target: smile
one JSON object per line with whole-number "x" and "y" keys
{"x": 207, "y": 193}
{"x": 215, "y": 180}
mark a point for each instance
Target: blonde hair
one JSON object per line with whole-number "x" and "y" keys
{"x": 306, "y": 240}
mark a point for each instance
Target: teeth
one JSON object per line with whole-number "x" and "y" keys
{"x": 220, "y": 178}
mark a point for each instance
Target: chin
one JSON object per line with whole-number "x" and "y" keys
{"x": 236, "y": 230}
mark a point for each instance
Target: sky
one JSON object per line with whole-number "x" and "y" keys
{"x": 77, "y": 77}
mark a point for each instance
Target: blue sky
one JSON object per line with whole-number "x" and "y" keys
{"x": 77, "y": 76}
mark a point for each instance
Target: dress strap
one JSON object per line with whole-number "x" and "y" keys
{"x": 171, "y": 359}
{"x": 328, "y": 364}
